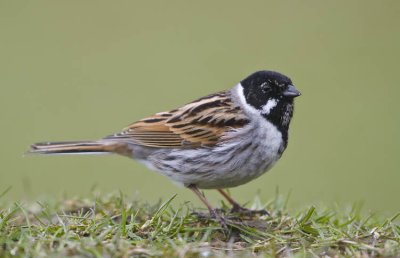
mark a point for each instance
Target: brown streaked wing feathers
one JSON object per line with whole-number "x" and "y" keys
{"x": 199, "y": 123}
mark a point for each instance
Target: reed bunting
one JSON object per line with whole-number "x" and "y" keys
{"x": 219, "y": 141}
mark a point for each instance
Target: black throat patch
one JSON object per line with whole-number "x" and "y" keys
{"x": 280, "y": 116}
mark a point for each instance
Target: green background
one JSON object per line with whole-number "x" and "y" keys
{"x": 85, "y": 69}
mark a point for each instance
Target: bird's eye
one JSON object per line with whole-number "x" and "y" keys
{"x": 265, "y": 87}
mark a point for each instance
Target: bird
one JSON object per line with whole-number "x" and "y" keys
{"x": 219, "y": 141}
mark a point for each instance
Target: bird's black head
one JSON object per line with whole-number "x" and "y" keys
{"x": 271, "y": 94}
{"x": 262, "y": 86}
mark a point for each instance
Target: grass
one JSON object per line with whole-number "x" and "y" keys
{"x": 112, "y": 226}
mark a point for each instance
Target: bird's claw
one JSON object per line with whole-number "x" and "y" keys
{"x": 215, "y": 216}
{"x": 248, "y": 212}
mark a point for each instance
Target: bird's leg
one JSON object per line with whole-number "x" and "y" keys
{"x": 204, "y": 200}
{"x": 237, "y": 208}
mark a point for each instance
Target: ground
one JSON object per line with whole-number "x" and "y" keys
{"x": 114, "y": 226}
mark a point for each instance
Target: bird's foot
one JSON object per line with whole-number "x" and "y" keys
{"x": 248, "y": 212}
{"x": 220, "y": 218}
{"x": 215, "y": 215}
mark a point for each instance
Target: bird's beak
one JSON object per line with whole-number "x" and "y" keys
{"x": 291, "y": 91}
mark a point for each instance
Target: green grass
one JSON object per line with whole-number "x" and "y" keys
{"x": 105, "y": 226}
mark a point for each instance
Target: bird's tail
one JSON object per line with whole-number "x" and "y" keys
{"x": 78, "y": 147}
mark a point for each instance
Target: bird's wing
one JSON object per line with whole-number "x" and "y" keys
{"x": 200, "y": 123}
